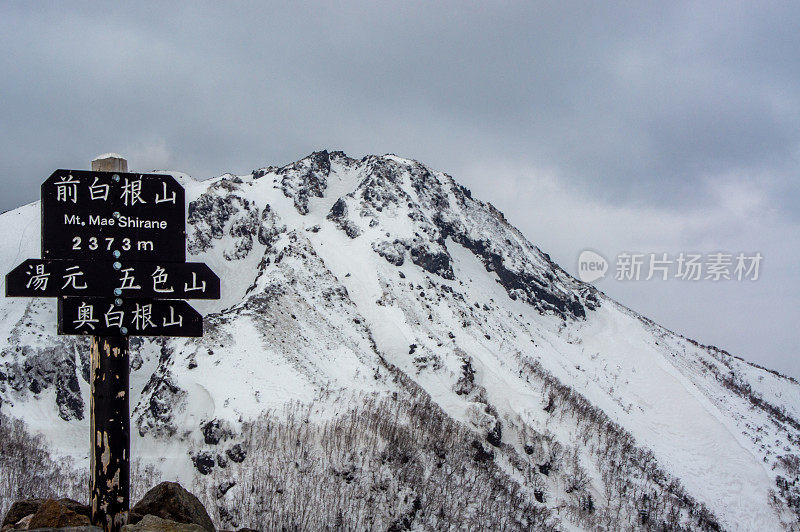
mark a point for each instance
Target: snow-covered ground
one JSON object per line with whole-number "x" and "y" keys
{"x": 334, "y": 269}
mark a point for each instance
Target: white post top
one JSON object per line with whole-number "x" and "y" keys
{"x": 109, "y": 162}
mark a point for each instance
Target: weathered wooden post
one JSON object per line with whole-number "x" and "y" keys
{"x": 111, "y": 434}
{"x": 110, "y": 415}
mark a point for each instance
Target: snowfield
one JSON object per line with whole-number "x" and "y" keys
{"x": 348, "y": 282}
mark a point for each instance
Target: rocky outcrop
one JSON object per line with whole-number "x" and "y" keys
{"x": 29, "y": 368}
{"x": 338, "y": 215}
{"x": 305, "y": 178}
{"x": 270, "y": 226}
{"x": 222, "y": 213}
{"x": 208, "y": 214}
{"x": 203, "y": 462}
{"x": 215, "y": 431}
{"x": 158, "y": 416}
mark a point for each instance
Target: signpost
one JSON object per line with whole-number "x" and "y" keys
{"x": 103, "y": 316}
{"x": 83, "y": 278}
{"x": 90, "y": 215}
{"x": 114, "y": 254}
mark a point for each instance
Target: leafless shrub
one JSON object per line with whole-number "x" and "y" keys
{"x": 27, "y": 469}
{"x": 387, "y": 463}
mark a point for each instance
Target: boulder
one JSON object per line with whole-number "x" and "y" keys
{"x": 151, "y": 523}
{"x": 54, "y": 514}
{"x": 28, "y": 507}
{"x": 21, "y": 509}
{"x": 169, "y": 500}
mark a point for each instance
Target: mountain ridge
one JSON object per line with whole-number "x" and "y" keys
{"x": 341, "y": 276}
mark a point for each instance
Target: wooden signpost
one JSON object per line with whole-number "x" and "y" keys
{"x": 114, "y": 254}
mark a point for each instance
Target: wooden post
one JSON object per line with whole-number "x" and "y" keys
{"x": 111, "y": 433}
{"x": 110, "y": 414}
{"x": 110, "y": 162}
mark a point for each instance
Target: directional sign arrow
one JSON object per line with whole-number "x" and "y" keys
{"x": 90, "y": 215}
{"x": 134, "y": 317}
{"x": 155, "y": 280}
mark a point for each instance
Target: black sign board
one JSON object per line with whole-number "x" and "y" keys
{"x": 109, "y": 215}
{"x": 127, "y": 317}
{"x": 155, "y": 280}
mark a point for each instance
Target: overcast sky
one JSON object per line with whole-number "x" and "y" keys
{"x": 661, "y": 127}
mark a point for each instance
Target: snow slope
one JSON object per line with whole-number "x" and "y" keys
{"x": 337, "y": 272}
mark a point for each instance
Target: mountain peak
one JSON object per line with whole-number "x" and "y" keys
{"x": 380, "y": 291}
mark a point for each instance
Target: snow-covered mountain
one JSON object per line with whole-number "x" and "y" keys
{"x": 431, "y": 363}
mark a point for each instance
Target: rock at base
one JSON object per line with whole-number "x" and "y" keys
{"x": 169, "y": 500}
{"x": 55, "y": 514}
{"x": 24, "y": 508}
{"x": 21, "y": 509}
{"x": 151, "y": 523}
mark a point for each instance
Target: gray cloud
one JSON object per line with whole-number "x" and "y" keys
{"x": 651, "y": 109}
